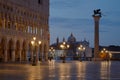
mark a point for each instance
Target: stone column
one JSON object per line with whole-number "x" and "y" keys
{"x": 20, "y": 55}
{"x": 5, "y": 55}
{"x": 96, "y": 17}
{"x": 46, "y": 52}
{"x": 37, "y": 56}
{"x": 42, "y": 52}
{"x": 3, "y": 18}
{"x": 13, "y": 51}
{"x": 26, "y": 55}
{"x": 13, "y": 55}
{"x": 31, "y": 56}
{"x": 4, "y": 24}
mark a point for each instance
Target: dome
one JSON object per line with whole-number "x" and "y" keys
{"x": 71, "y": 38}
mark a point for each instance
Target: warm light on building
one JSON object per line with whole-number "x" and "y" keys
{"x": 20, "y": 21}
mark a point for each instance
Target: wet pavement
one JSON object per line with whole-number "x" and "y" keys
{"x": 56, "y": 70}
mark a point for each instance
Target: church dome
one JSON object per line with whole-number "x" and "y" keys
{"x": 71, "y": 38}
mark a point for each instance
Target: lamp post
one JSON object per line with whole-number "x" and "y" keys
{"x": 51, "y": 53}
{"x": 105, "y": 54}
{"x": 64, "y": 46}
{"x": 35, "y": 43}
{"x": 81, "y": 48}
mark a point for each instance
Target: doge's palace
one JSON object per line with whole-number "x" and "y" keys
{"x": 20, "y": 21}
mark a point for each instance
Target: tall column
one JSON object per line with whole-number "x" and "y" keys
{"x": 5, "y": 55}
{"x": 96, "y": 16}
{"x": 3, "y": 18}
{"x": 13, "y": 52}
{"x": 42, "y": 52}
{"x": 31, "y": 55}
{"x": 4, "y": 24}
{"x": 20, "y": 55}
{"x": 13, "y": 55}
{"x": 26, "y": 51}
{"x": 37, "y": 56}
{"x": 46, "y": 52}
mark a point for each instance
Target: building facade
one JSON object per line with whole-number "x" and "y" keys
{"x": 72, "y": 51}
{"x": 20, "y": 21}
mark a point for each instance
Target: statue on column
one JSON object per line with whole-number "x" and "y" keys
{"x": 97, "y": 12}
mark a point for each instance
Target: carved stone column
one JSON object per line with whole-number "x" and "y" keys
{"x": 5, "y": 55}
{"x": 13, "y": 55}
{"x": 20, "y": 55}
{"x": 13, "y": 51}
{"x": 3, "y": 18}
{"x": 37, "y": 57}
{"x": 46, "y": 52}
{"x": 42, "y": 52}
{"x": 31, "y": 56}
{"x": 26, "y": 55}
{"x": 96, "y": 16}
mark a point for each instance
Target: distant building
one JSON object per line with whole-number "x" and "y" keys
{"x": 113, "y": 50}
{"x": 73, "y": 50}
{"x": 20, "y": 21}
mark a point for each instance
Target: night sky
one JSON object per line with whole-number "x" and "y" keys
{"x": 75, "y": 16}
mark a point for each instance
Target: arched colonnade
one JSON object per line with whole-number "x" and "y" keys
{"x": 19, "y": 50}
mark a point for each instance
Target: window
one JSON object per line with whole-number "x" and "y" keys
{"x": 29, "y": 29}
{"x": 39, "y": 1}
{"x": 36, "y": 30}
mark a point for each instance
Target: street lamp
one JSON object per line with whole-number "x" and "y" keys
{"x": 51, "y": 53}
{"x": 35, "y": 43}
{"x": 64, "y": 46}
{"x": 81, "y": 48}
{"x": 105, "y": 54}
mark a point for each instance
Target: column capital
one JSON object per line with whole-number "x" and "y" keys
{"x": 96, "y": 17}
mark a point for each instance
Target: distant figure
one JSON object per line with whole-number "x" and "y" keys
{"x": 97, "y": 12}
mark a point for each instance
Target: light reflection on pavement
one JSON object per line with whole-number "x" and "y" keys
{"x": 71, "y": 70}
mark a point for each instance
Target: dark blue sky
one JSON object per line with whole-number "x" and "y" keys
{"x": 75, "y": 16}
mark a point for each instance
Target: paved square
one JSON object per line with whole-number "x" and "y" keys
{"x": 71, "y": 70}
